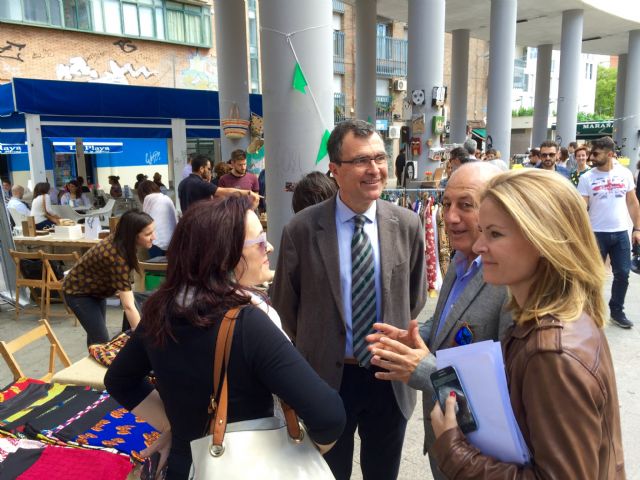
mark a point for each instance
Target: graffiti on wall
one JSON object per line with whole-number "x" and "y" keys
{"x": 12, "y": 50}
{"x": 126, "y": 45}
{"x": 152, "y": 157}
{"x": 79, "y": 69}
{"x": 202, "y": 73}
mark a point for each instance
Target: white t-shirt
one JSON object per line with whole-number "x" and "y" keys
{"x": 17, "y": 204}
{"x": 161, "y": 209}
{"x": 607, "y": 192}
{"x": 37, "y": 208}
{"x": 186, "y": 171}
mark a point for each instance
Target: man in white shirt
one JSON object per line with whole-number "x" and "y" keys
{"x": 16, "y": 202}
{"x": 609, "y": 192}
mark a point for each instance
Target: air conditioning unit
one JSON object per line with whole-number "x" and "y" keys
{"x": 394, "y": 132}
{"x": 400, "y": 85}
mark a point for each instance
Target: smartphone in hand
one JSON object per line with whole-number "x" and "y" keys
{"x": 445, "y": 381}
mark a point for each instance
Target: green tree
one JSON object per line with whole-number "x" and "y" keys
{"x": 606, "y": 92}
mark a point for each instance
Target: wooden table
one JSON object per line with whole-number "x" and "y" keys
{"x": 53, "y": 241}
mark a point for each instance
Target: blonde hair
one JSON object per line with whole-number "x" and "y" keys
{"x": 553, "y": 217}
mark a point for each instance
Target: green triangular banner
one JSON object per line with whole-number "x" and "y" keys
{"x": 322, "y": 151}
{"x": 369, "y": 119}
{"x": 299, "y": 82}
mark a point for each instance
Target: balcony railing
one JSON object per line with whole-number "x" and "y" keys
{"x": 391, "y": 57}
{"x": 339, "y": 107}
{"x": 383, "y": 106}
{"x": 338, "y": 6}
{"x": 338, "y": 51}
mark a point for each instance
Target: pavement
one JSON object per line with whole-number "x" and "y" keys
{"x": 624, "y": 346}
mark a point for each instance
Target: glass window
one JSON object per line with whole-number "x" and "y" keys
{"x": 112, "y": 23}
{"x": 130, "y": 16}
{"x": 160, "y": 23}
{"x": 35, "y": 11}
{"x": 55, "y": 17}
{"x": 96, "y": 10}
{"x": 146, "y": 21}
{"x": 193, "y": 25}
{"x": 84, "y": 17}
{"x": 175, "y": 26}
{"x": 70, "y": 19}
{"x": 11, "y": 10}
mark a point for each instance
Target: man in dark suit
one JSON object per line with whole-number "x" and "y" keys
{"x": 468, "y": 309}
{"x": 344, "y": 264}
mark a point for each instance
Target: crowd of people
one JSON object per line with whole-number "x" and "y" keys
{"x": 336, "y": 336}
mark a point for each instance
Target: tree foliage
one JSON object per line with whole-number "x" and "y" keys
{"x": 606, "y": 92}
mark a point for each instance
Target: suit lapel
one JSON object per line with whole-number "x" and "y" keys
{"x": 447, "y": 285}
{"x": 387, "y": 228}
{"x": 327, "y": 244}
{"x": 462, "y": 303}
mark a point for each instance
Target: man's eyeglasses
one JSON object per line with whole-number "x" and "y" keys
{"x": 548, "y": 155}
{"x": 260, "y": 240}
{"x": 380, "y": 159}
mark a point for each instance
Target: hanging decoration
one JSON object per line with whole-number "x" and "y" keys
{"x": 301, "y": 84}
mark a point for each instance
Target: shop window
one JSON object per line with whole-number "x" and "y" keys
{"x": 130, "y": 17}
{"x": 35, "y": 11}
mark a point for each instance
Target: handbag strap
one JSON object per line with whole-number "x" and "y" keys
{"x": 218, "y": 425}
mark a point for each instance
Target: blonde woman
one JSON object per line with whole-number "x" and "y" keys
{"x": 561, "y": 378}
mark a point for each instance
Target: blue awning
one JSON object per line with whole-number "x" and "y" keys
{"x": 90, "y": 145}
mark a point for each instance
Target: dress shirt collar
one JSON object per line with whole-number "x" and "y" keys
{"x": 460, "y": 261}
{"x": 345, "y": 214}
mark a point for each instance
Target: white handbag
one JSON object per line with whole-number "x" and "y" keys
{"x": 265, "y": 448}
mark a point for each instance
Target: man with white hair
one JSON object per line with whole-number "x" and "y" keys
{"x": 16, "y": 202}
{"x": 470, "y": 145}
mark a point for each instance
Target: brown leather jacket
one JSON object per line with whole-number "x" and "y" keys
{"x": 564, "y": 397}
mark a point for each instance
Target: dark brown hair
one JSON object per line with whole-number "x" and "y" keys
{"x": 359, "y": 128}
{"x": 200, "y": 285}
{"x": 129, "y": 226}
{"x": 41, "y": 188}
{"x": 313, "y": 188}
{"x": 147, "y": 187}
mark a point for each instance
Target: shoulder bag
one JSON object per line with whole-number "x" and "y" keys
{"x": 261, "y": 448}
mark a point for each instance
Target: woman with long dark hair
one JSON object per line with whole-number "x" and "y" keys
{"x": 41, "y": 207}
{"x": 217, "y": 253}
{"x": 106, "y": 270}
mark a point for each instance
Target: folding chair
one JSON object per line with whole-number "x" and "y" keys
{"x": 7, "y": 349}
{"x": 22, "y": 281}
{"x": 52, "y": 283}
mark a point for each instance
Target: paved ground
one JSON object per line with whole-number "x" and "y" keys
{"x": 625, "y": 347}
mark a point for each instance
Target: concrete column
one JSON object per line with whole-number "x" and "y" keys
{"x": 233, "y": 76}
{"x": 620, "y": 89}
{"x": 541, "y": 101}
{"x": 293, "y": 124}
{"x": 570, "y": 72}
{"x": 425, "y": 68}
{"x": 178, "y": 153}
{"x": 459, "y": 82}
{"x": 631, "y": 122}
{"x": 366, "y": 60}
{"x": 36, "y": 152}
{"x": 501, "y": 57}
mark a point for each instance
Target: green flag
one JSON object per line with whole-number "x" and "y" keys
{"x": 299, "y": 82}
{"x": 322, "y": 151}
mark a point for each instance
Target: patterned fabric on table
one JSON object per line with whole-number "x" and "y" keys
{"x": 50, "y": 433}
{"x": 104, "y": 353}
{"x": 121, "y": 430}
{"x": 17, "y": 387}
{"x": 62, "y": 463}
{"x": 11, "y": 445}
{"x": 30, "y": 394}
{"x": 101, "y": 272}
{"x": 55, "y": 390}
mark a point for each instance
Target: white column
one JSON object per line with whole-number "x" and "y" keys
{"x": 541, "y": 101}
{"x": 501, "y": 58}
{"x": 293, "y": 123}
{"x": 570, "y": 73}
{"x": 459, "y": 82}
{"x": 620, "y": 89}
{"x": 36, "y": 152}
{"x": 631, "y": 122}
{"x": 233, "y": 76}
{"x": 425, "y": 68}
{"x": 178, "y": 153}
{"x": 366, "y": 60}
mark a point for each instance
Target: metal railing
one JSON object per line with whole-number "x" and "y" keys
{"x": 383, "y": 106}
{"x": 338, "y": 51}
{"x": 339, "y": 107}
{"x": 391, "y": 57}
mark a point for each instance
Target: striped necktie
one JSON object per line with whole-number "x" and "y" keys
{"x": 363, "y": 291}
